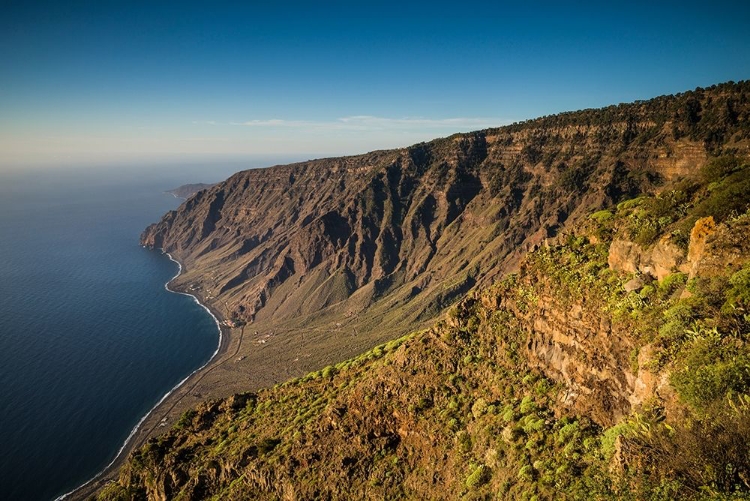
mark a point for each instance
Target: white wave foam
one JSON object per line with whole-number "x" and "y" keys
{"x": 137, "y": 426}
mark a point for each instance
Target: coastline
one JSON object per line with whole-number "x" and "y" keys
{"x": 137, "y": 438}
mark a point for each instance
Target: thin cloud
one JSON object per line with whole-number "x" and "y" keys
{"x": 369, "y": 122}
{"x": 278, "y": 123}
{"x": 205, "y": 139}
{"x": 374, "y": 121}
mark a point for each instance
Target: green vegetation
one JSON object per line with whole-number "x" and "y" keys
{"x": 554, "y": 383}
{"x": 478, "y": 477}
{"x": 723, "y": 191}
{"x": 186, "y": 419}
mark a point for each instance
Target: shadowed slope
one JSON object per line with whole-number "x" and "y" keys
{"x": 361, "y": 249}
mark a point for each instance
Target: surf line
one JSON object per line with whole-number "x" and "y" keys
{"x": 166, "y": 395}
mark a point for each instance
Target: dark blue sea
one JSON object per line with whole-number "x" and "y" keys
{"x": 90, "y": 339}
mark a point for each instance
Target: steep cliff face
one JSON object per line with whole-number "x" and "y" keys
{"x": 615, "y": 363}
{"x": 559, "y": 381}
{"x": 383, "y": 242}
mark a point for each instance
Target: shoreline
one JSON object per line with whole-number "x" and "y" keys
{"x": 96, "y": 482}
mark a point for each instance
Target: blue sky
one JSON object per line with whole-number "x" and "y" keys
{"x": 106, "y": 81}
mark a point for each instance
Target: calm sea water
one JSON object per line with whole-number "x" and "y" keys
{"x": 89, "y": 338}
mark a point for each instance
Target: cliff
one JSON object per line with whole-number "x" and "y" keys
{"x": 592, "y": 373}
{"x": 357, "y": 250}
{"x": 611, "y": 362}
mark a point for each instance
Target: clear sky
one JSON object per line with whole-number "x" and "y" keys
{"x": 107, "y": 81}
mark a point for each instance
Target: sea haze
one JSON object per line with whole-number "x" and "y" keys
{"x": 90, "y": 339}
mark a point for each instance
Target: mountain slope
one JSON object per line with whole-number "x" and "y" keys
{"x": 357, "y": 250}
{"x": 614, "y": 364}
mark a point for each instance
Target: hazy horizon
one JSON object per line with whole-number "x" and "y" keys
{"x": 196, "y": 164}
{"x": 122, "y": 83}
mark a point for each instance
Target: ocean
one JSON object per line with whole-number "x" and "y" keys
{"x": 90, "y": 339}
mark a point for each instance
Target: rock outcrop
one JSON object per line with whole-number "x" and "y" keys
{"x": 715, "y": 249}
{"x": 657, "y": 261}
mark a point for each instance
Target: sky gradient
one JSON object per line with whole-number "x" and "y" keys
{"x": 111, "y": 82}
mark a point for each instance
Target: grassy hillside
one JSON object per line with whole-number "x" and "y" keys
{"x": 614, "y": 364}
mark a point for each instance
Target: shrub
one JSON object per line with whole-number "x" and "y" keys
{"x": 526, "y": 473}
{"x": 527, "y": 405}
{"x": 543, "y": 387}
{"x": 669, "y": 284}
{"x": 479, "y": 407}
{"x": 609, "y": 438}
{"x": 186, "y": 419}
{"x": 463, "y": 441}
{"x": 568, "y": 432}
{"x": 718, "y": 168}
{"x": 731, "y": 196}
{"x": 710, "y": 455}
{"x": 647, "y": 291}
{"x": 738, "y": 295}
{"x": 721, "y": 373}
{"x": 602, "y": 216}
{"x": 478, "y": 477}
{"x": 113, "y": 491}
{"x": 532, "y": 424}
{"x": 630, "y": 204}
